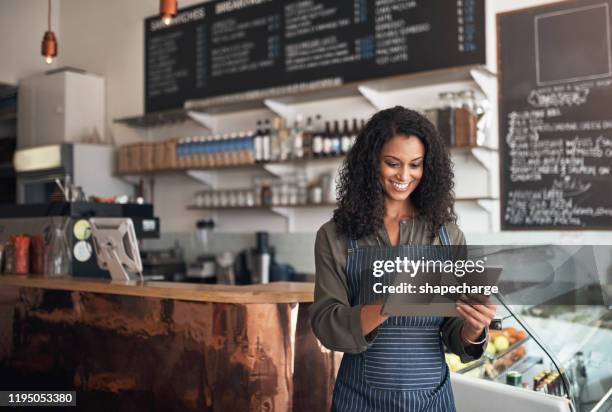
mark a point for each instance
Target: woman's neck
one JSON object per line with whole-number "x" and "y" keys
{"x": 396, "y": 210}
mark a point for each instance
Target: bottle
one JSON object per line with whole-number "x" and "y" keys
{"x": 262, "y": 259}
{"x": 336, "y": 141}
{"x": 317, "y": 140}
{"x": 327, "y": 140}
{"x": 307, "y": 137}
{"x": 258, "y": 140}
{"x": 233, "y": 147}
{"x": 284, "y": 138}
{"x": 57, "y": 252}
{"x": 446, "y": 121}
{"x": 275, "y": 141}
{"x": 354, "y": 132}
{"x": 249, "y": 147}
{"x": 266, "y": 141}
{"x": 199, "y": 151}
{"x": 345, "y": 142}
{"x": 223, "y": 150}
{"x": 298, "y": 149}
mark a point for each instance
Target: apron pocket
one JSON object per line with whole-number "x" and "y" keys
{"x": 403, "y": 358}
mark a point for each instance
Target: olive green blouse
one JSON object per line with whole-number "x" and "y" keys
{"x": 335, "y": 322}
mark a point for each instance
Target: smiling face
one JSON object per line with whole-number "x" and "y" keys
{"x": 401, "y": 166}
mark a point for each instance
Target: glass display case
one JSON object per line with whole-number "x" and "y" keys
{"x": 553, "y": 349}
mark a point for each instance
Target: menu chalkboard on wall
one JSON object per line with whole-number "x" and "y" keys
{"x": 555, "y": 122}
{"x": 228, "y": 47}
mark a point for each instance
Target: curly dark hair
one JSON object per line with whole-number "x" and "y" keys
{"x": 361, "y": 201}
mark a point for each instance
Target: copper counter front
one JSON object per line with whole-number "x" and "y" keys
{"x": 129, "y": 352}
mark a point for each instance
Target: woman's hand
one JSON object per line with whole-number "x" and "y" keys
{"x": 371, "y": 317}
{"x": 478, "y": 313}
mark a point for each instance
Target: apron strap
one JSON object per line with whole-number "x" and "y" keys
{"x": 444, "y": 237}
{"x": 353, "y": 243}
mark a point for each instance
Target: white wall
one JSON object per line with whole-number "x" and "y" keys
{"x": 22, "y": 26}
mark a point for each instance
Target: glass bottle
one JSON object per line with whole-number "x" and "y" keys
{"x": 57, "y": 249}
{"x": 446, "y": 121}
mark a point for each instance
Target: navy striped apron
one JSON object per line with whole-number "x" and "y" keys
{"x": 404, "y": 369}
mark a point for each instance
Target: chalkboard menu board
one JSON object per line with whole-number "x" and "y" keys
{"x": 555, "y": 117}
{"x": 228, "y": 47}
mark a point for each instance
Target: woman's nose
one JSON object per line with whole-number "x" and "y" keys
{"x": 403, "y": 174}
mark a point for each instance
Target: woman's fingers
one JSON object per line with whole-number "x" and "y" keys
{"x": 475, "y": 317}
{"x": 469, "y": 319}
{"x": 487, "y": 309}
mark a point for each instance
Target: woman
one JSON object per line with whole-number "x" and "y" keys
{"x": 395, "y": 188}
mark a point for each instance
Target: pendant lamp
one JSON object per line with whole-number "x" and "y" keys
{"x": 49, "y": 43}
{"x": 167, "y": 10}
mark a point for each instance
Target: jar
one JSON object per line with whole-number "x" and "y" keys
{"x": 22, "y": 253}
{"x": 37, "y": 255}
{"x": 57, "y": 252}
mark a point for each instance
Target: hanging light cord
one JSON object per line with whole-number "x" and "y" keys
{"x": 49, "y": 16}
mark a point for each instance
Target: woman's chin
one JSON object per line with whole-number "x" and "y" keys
{"x": 397, "y": 196}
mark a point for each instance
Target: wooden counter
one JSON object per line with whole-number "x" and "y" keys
{"x": 164, "y": 346}
{"x": 277, "y": 292}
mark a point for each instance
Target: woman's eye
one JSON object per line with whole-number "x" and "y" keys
{"x": 392, "y": 164}
{"x": 415, "y": 166}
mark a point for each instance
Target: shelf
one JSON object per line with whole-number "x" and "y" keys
{"x": 262, "y": 207}
{"x": 522, "y": 365}
{"x": 232, "y": 167}
{"x": 466, "y": 149}
{"x": 511, "y": 348}
{"x": 281, "y": 99}
{"x": 164, "y": 118}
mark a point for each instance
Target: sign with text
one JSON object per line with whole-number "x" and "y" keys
{"x": 229, "y": 47}
{"x": 555, "y": 124}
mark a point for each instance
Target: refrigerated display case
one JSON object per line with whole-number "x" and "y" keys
{"x": 571, "y": 345}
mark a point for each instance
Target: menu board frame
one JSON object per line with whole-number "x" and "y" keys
{"x": 502, "y": 113}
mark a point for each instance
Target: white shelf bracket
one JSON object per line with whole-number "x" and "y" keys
{"x": 204, "y": 119}
{"x": 284, "y": 110}
{"x": 487, "y": 158}
{"x": 377, "y": 99}
{"x": 490, "y": 206}
{"x": 278, "y": 169}
{"x": 490, "y": 161}
{"x": 208, "y": 178}
{"x": 288, "y": 214}
{"x": 486, "y": 81}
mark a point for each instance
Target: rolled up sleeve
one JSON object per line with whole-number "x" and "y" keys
{"x": 334, "y": 321}
{"x": 451, "y": 336}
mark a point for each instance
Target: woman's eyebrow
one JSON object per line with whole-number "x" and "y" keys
{"x": 393, "y": 157}
{"x": 399, "y": 160}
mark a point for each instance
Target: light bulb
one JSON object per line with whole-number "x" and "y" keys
{"x": 167, "y": 20}
{"x": 48, "y": 59}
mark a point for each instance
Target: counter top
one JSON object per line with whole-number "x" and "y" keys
{"x": 277, "y": 292}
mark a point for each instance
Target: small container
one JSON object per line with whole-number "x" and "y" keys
{"x": 514, "y": 378}
{"x": 199, "y": 199}
{"x": 37, "y": 255}
{"x": 316, "y": 194}
{"x": 250, "y": 198}
{"x": 22, "y": 253}
{"x": 9, "y": 258}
